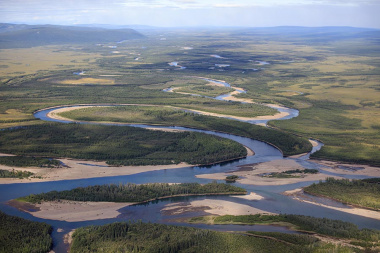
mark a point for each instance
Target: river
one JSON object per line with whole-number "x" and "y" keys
{"x": 273, "y": 200}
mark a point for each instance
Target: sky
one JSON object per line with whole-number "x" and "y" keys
{"x": 183, "y": 13}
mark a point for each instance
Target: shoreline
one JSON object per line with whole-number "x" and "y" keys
{"x": 298, "y": 194}
{"x": 75, "y": 211}
{"x": 80, "y": 169}
{"x": 54, "y": 113}
{"x": 251, "y": 174}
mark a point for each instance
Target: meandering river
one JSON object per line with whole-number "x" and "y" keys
{"x": 273, "y": 200}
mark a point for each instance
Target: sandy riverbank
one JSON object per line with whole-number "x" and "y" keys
{"x": 73, "y": 211}
{"x": 349, "y": 169}
{"x": 78, "y": 169}
{"x": 211, "y": 206}
{"x": 299, "y": 195}
{"x": 251, "y": 174}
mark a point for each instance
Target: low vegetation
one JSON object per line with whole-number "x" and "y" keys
{"x": 231, "y": 178}
{"x": 291, "y": 173}
{"x": 15, "y": 174}
{"x": 18, "y": 235}
{"x": 147, "y": 237}
{"x": 24, "y": 161}
{"x": 204, "y": 90}
{"x": 362, "y": 193}
{"x": 134, "y": 193}
{"x": 118, "y": 145}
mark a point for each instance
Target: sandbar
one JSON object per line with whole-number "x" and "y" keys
{"x": 252, "y": 174}
{"x": 79, "y": 169}
{"x": 349, "y": 169}
{"x": 74, "y": 211}
{"x": 299, "y": 195}
{"x": 211, "y": 206}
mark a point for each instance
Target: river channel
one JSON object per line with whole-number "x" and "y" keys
{"x": 273, "y": 200}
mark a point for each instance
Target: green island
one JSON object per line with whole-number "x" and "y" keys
{"x": 231, "y": 178}
{"x": 361, "y": 193}
{"x": 19, "y": 235}
{"x": 148, "y": 237}
{"x": 289, "y": 144}
{"x": 291, "y": 173}
{"x": 118, "y": 145}
{"x": 366, "y": 238}
{"x": 135, "y": 193}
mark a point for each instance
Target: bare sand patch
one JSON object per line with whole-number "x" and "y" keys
{"x": 79, "y": 169}
{"x": 212, "y": 206}
{"x": 252, "y": 174}
{"x": 299, "y": 195}
{"x": 349, "y": 169}
{"x": 73, "y": 211}
{"x": 88, "y": 80}
{"x": 251, "y": 196}
{"x": 68, "y": 238}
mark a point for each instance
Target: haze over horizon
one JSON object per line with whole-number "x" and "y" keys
{"x": 187, "y": 13}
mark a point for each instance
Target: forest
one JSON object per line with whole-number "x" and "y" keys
{"x": 118, "y": 145}
{"x": 336, "y": 228}
{"x": 135, "y": 193}
{"x": 18, "y": 235}
{"x": 362, "y": 193}
{"x": 289, "y": 144}
{"x": 155, "y": 238}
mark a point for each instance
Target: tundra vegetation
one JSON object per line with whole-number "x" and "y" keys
{"x": 333, "y": 84}
{"x": 330, "y": 75}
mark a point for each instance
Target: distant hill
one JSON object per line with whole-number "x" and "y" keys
{"x": 312, "y": 34}
{"x": 23, "y": 36}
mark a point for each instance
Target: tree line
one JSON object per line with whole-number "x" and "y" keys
{"x": 133, "y": 192}
{"x": 18, "y": 235}
{"x": 117, "y": 145}
{"x": 364, "y": 193}
{"x": 159, "y": 238}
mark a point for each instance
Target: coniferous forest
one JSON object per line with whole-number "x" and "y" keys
{"x": 118, "y": 145}
{"x": 18, "y": 235}
{"x": 147, "y": 237}
{"x": 363, "y": 193}
{"x": 134, "y": 192}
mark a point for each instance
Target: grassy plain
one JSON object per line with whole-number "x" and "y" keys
{"x": 333, "y": 83}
